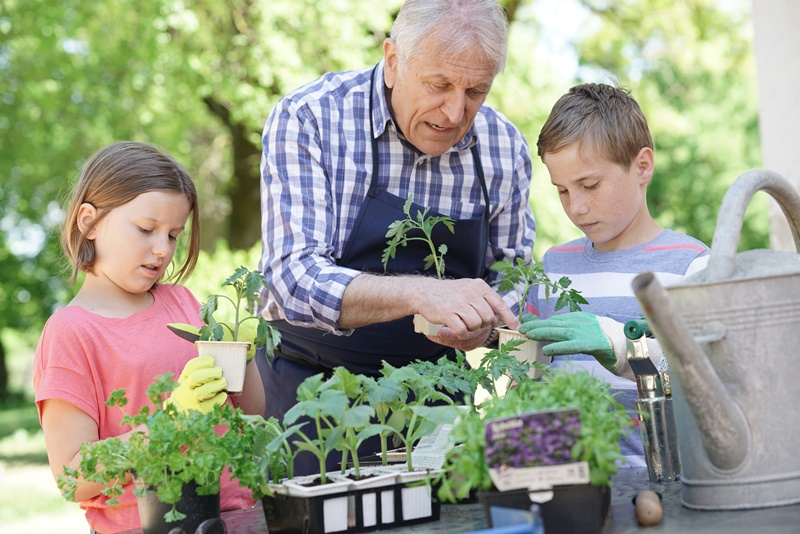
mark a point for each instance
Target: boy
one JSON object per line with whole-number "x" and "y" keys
{"x": 598, "y": 150}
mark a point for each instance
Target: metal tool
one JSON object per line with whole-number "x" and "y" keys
{"x": 656, "y": 419}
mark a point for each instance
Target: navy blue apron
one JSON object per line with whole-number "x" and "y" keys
{"x": 304, "y": 351}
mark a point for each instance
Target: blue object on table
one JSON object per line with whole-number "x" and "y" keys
{"x": 514, "y": 521}
{"x": 523, "y": 528}
{"x": 502, "y": 516}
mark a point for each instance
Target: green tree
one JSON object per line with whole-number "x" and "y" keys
{"x": 199, "y": 77}
{"x": 691, "y": 67}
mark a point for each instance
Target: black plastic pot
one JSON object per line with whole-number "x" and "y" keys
{"x": 574, "y": 509}
{"x": 197, "y": 508}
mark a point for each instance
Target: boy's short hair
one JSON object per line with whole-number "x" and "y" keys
{"x": 603, "y": 119}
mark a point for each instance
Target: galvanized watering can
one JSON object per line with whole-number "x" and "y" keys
{"x": 731, "y": 335}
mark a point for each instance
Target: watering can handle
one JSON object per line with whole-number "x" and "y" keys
{"x": 721, "y": 264}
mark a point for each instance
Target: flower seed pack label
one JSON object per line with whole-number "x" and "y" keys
{"x": 533, "y": 450}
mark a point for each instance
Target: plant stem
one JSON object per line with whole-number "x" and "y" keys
{"x": 323, "y": 479}
{"x": 437, "y": 261}
{"x": 412, "y": 422}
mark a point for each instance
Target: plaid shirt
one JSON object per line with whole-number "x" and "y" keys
{"x": 316, "y": 168}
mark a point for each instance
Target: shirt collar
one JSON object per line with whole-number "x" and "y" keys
{"x": 381, "y": 116}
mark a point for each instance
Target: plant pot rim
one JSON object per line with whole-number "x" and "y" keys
{"x": 200, "y": 342}
{"x": 335, "y": 484}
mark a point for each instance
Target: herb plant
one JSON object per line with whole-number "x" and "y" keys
{"x": 337, "y": 408}
{"x": 415, "y": 418}
{"x": 357, "y": 418}
{"x": 501, "y": 362}
{"x": 602, "y": 420}
{"x": 167, "y": 449}
{"x": 519, "y": 274}
{"x": 246, "y": 285}
{"x": 404, "y": 230}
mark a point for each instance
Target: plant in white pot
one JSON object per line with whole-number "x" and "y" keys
{"x": 232, "y": 339}
{"x": 420, "y": 228}
{"x": 175, "y": 458}
{"x": 336, "y": 408}
{"x": 415, "y": 416}
{"x": 521, "y": 277}
{"x": 426, "y": 407}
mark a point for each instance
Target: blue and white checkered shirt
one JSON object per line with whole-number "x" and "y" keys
{"x": 316, "y": 166}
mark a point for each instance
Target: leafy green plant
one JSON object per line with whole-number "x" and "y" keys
{"x": 402, "y": 231}
{"x": 521, "y": 277}
{"x": 338, "y": 410}
{"x": 323, "y": 405}
{"x": 602, "y": 419}
{"x": 273, "y": 455}
{"x": 415, "y": 418}
{"x": 171, "y": 449}
{"x": 501, "y": 362}
{"x": 246, "y": 286}
{"x": 357, "y": 418}
{"x": 386, "y": 396}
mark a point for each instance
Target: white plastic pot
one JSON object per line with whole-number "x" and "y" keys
{"x": 231, "y": 356}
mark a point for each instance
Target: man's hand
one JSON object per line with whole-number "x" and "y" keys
{"x": 200, "y": 386}
{"x": 467, "y": 307}
{"x": 447, "y": 338}
{"x": 572, "y": 333}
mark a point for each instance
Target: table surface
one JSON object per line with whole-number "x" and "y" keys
{"x": 461, "y": 518}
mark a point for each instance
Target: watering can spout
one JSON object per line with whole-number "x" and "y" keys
{"x": 724, "y": 431}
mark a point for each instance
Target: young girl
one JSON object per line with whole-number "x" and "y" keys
{"x": 128, "y": 209}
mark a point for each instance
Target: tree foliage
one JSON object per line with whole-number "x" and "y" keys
{"x": 199, "y": 77}
{"x": 690, "y": 65}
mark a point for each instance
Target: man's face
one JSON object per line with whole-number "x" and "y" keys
{"x": 434, "y": 100}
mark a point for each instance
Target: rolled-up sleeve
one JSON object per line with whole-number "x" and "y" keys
{"x": 512, "y": 228}
{"x": 299, "y": 223}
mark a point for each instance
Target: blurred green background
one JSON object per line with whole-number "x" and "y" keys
{"x": 199, "y": 77}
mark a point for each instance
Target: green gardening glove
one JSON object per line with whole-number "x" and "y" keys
{"x": 571, "y": 333}
{"x": 200, "y": 386}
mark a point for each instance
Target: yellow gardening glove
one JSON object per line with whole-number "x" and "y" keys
{"x": 247, "y": 333}
{"x": 200, "y": 386}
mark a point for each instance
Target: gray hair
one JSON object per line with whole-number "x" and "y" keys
{"x": 458, "y": 26}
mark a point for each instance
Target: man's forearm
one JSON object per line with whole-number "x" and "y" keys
{"x": 464, "y": 305}
{"x": 371, "y": 299}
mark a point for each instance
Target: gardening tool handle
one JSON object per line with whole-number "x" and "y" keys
{"x": 637, "y": 328}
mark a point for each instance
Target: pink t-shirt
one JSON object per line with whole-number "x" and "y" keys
{"x": 82, "y": 357}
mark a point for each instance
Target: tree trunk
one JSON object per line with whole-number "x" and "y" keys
{"x": 3, "y": 374}
{"x": 244, "y": 223}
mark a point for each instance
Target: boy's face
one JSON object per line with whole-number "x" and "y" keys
{"x": 605, "y": 200}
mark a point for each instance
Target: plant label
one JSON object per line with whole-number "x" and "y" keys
{"x": 533, "y": 451}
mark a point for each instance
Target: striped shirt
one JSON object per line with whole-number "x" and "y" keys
{"x": 316, "y": 168}
{"x": 604, "y": 279}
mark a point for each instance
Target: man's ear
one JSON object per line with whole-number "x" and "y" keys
{"x": 645, "y": 164}
{"x": 87, "y": 214}
{"x": 390, "y": 62}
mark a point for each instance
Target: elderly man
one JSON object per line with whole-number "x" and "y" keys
{"x": 341, "y": 156}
